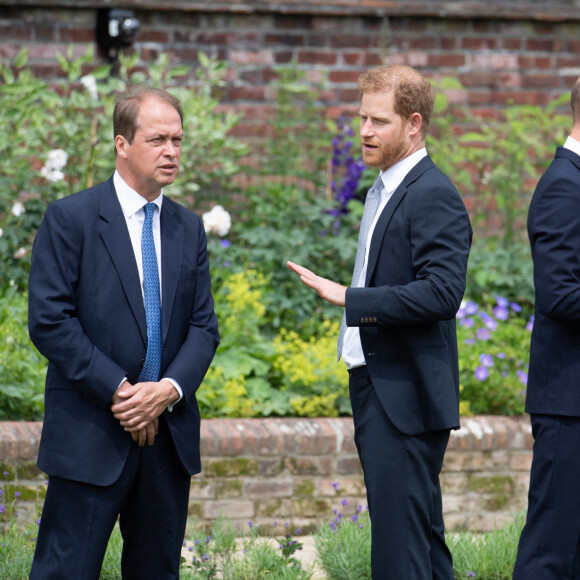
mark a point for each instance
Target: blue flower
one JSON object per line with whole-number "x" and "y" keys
{"x": 334, "y": 485}
{"x": 501, "y": 301}
{"x": 515, "y": 307}
{"x": 471, "y": 308}
{"x": 486, "y": 360}
{"x": 500, "y": 313}
{"x": 522, "y": 377}
{"x": 481, "y": 373}
{"x": 225, "y": 243}
{"x": 467, "y": 322}
{"x": 488, "y": 321}
{"x": 530, "y": 324}
{"x": 483, "y": 334}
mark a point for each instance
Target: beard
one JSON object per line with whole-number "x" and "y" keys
{"x": 387, "y": 154}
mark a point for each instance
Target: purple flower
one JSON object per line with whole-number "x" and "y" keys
{"x": 344, "y": 501}
{"x": 501, "y": 301}
{"x": 2, "y": 508}
{"x": 467, "y": 322}
{"x": 500, "y": 313}
{"x": 334, "y": 485}
{"x": 500, "y": 355}
{"x": 530, "y": 324}
{"x": 250, "y": 524}
{"x": 471, "y": 308}
{"x": 469, "y": 341}
{"x": 522, "y": 377}
{"x": 471, "y": 574}
{"x": 515, "y": 307}
{"x": 488, "y": 321}
{"x": 483, "y": 334}
{"x": 333, "y": 526}
{"x": 481, "y": 373}
{"x": 225, "y": 243}
{"x": 486, "y": 360}
{"x": 354, "y": 518}
{"x": 16, "y": 494}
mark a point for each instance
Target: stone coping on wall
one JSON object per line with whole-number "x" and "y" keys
{"x": 554, "y": 10}
{"x": 293, "y": 436}
{"x": 297, "y": 471}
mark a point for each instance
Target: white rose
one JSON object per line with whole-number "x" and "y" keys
{"x": 56, "y": 159}
{"x": 20, "y": 253}
{"x": 90, "y": 83}
{"x": 52, "y": 174}
{"x": 17, "y": 209}
{"x": 217, "y": 221}
{"x": 1, "y": 232}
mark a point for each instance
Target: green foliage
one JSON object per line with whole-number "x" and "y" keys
{"x": 493, "y": 358}
{"x": 488, "y": 556}
{"x": 496, "y": 269}
{"x": 282, "y": 222}
{"x": 344, "y": 547}
{"x": 22, "y": 367}
{"x": 74, "y": 117}
{"x": 247, "y": 557}
{"x": 260, "y": 373}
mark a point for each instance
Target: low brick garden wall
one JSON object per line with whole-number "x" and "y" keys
{"x": 287, "y": 470}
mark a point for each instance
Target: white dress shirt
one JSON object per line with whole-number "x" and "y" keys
{"x": 132, "y": 205}
{"x": 572, "y": 145}
{"x": 352, "y": 352}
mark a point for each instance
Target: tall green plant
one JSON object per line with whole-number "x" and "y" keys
{"x": 58, "y": 138}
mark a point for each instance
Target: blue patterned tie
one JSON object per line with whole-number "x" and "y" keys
{"x": 152, "y": 366}
{"x": 370, "y": 209}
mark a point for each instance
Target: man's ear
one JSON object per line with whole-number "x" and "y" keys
{"x": 120, "y": 145}
{"x": 415, "y": 123}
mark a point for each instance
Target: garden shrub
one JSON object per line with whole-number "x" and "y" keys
{"x": 493, "y": 357}
{"x": 22, "y": 367}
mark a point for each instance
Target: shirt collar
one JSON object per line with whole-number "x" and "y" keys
{"x": 572, "y": 145}
{"x": 394, "y": 175}
{"x": 131, "y": 202}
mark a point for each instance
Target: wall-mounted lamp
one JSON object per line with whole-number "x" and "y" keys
{"x": 116, "y": 28}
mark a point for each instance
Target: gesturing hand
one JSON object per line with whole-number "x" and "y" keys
{"x": 327, "y": 289}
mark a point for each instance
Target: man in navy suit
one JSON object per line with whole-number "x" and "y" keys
{"x": 400, "y": 341}
{"x": 114, "y": 445}
{"x": 549, "y": 546}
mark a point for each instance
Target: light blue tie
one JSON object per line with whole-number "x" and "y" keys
{"x": 370, "y": 209}
{"x": 152, "y": 366}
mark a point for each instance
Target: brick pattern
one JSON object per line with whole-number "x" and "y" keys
{"x": 519, "y": 53}
{"x": 278, "y": 471}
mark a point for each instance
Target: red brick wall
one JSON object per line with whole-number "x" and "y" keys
{"x": 282, "y": 470}
{"x": 524, "y": 52}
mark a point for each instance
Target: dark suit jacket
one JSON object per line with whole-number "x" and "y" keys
{"x": 86, "y": 315}
{"x": 554, "y": 232}
{"x": 406, "y": 314}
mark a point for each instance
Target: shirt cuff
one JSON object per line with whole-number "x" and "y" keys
{"x": 179, "y": 391}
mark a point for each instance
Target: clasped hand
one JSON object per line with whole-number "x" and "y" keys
{"x": 137, "y": 408}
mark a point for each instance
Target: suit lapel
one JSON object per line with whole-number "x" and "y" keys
{"x": 116, "y": 238}
{"x": 171, "y": 257}
{"x": 389, "y": 210}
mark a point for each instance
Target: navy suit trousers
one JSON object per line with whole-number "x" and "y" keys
{"x": 150, "y": 499}
{"x": 549, "y": 546}
{"x": 401, "y": 474}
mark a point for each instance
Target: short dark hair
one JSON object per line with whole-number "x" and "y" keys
{"x": 127, "y": 109}
{"x": 412, "y": 92}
